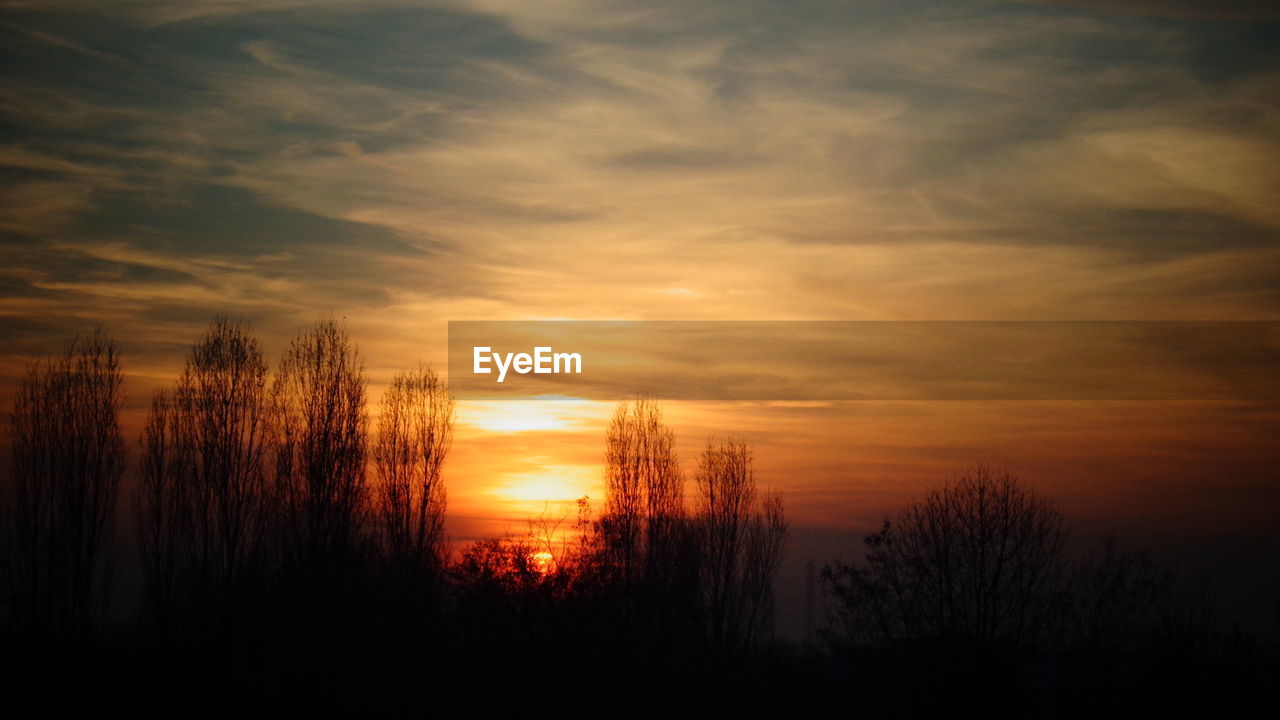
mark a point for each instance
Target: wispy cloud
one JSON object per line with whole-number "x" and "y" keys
{"x": 404, "y": 164}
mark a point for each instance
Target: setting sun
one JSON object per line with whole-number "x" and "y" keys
{"x": 543, "y": 561}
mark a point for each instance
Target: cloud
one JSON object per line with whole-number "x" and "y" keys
{"x": 1181, "y": 9}
{"x": 402, "y": 164}
{"x": 505, "y": 159}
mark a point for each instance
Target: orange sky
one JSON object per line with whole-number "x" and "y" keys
{"x": 404, "y": 165}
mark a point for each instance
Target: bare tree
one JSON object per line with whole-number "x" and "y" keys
{"x": 415, "y": 430}
{"x": 68, "y": 457}
{"x": 1127, "y": 613}
{"x": 766, "y": 540}
{"x": 201, "y": 500}
{"x": 321, "y": 428}
{"x": 726, "y": 492}
{"x": 975, "y": 565}
{"x": 742, "y": 537}
{"x": 162, "y": 510}
{"x": 644, "y": 489}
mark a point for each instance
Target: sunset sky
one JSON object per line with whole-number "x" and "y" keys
{"x": 404, "y": 164}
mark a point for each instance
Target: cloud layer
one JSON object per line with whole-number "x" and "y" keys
{"x": 491, "y": 159}
{"x": 405, "y": 164}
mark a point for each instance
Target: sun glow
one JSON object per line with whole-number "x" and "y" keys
{"x": 557, "y": 414}
{"x": 550, "y": 484}
{"x": 543, "y": 562}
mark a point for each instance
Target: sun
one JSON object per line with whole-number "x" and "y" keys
{"x": 543, "y": 561}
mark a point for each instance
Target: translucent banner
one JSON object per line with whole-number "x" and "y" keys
{"x": 827, "y": 361}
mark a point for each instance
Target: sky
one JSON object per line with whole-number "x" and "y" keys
{"x": 400, "y": 165}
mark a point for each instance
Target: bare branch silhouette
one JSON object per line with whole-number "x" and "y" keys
{"x": 742, "y": 539}
{"x": 68, "y": 457}
{"x": 975, "y": 565}
{"x": 643, "y": 529}
{"x": 163, "y": 510}
{"x": 415, "y": 431}
{"x": 321, "y": 425}
{"x": 644, "y": 488}
{"x": 201, "y": 502}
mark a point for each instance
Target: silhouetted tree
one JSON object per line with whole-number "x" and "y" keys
{"x": 415, "y": 430}
{"x": 162, "y": 511}
{"x": 509, "y": 595}
{"x": 1132, "y": 626}
{"x": 68, "y": 457}
{"x": 571, "y": 551}
{"x": 975, "y": 564}
{"x": 551, "y": 548}
{"x": 766, "y": 541}
{"x": 320, "y": 440}
{"x": 1115, "y": 598}
{"x": 742, "y": 536}
{"x": 644, "y": 489}
{"x": 958, "y": 591}
{"x": 501, "y": 566}
{"x": 650, "y": 560}
{"x": 201, "y": 501}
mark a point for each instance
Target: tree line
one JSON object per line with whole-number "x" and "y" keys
{"x": 291, "y": 551}
{"x": 971, "y": 598}
{"x": 268, "y": 510}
